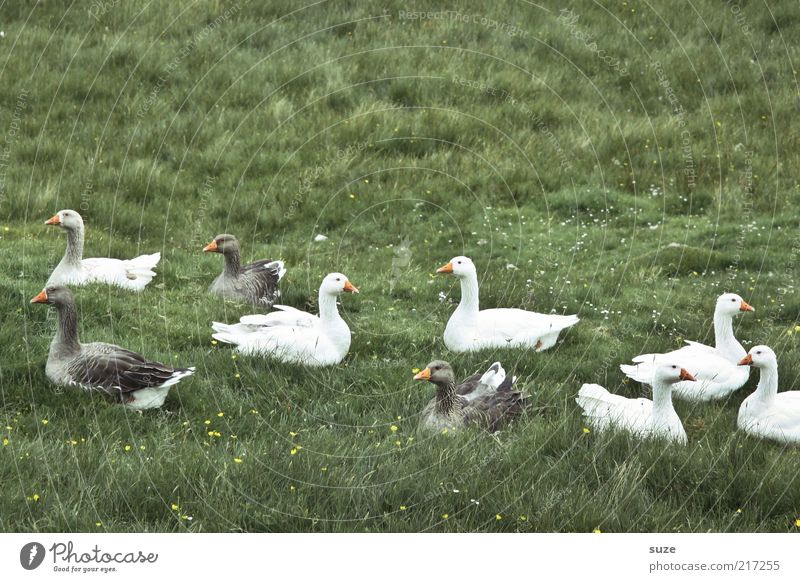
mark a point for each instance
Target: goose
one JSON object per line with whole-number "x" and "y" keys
{"x": 639, "y": 416}
{"x": 487, "y": 400}
{"x": 765, "y": 413}
{"x": 255, "y": 283}
{"x": 131, "y": 379}
{"x": 471, "y": 329}
{"x": 294, "y": 336}
{"x": 717, "y": 369}
{"x": 133, "y": 274}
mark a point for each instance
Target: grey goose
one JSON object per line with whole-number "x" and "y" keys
{"x": 255, "y": 283}
{"x": 127, "y": 376}
{"x": 488, "y": 401}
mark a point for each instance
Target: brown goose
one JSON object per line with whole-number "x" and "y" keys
{"x": 123, "y": 374}
{"x": 255, "y": 283}
{"x": 485, "y": 400}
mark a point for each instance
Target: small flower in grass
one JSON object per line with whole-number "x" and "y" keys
{"x": 206, "y": 422}
{"x": 213, "y": 342}
{"x": 253, "y": 411}
{"x": 596, "y": 530}
{"x": 35, "y": 498}
{"x": 523, "y": 518}
{"x": 5, "y": 442}
{"x": 220, "y": 414}
{"x": 292, "y": 433}
{"x": 127, "y": 448}
{"x": 45, "y": 421}
{"x": 237, "y": 375}
{"x": 445, "y": 515}
{"x": 586, "y": 430}
{"x": 98, "y": 523}
{"x": 175, "y": 507}
{"x": 393, "y": 428}
{"x": 237, "y": 460}
{"x": 797, "y": 522}
{"x": 415, "y": 370}
{"x": 403, "y": 508}
{"x": 738, "y": 511}
{"x": 214, "y": 433}
{"x": 498, "y": 517}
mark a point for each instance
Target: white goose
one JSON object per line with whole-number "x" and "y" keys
{"x": 133, "y": 274}
{"x": 717, "y": 369}
{"x": 291, "y": 335}
{"x": 470, "y": 329}
{"x": 639, "y": 416}
{"x": 765, "y": 413}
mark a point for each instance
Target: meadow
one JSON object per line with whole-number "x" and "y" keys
{"x": 626, "y": 161}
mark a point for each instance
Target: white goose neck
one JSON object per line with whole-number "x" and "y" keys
{"x": 767, "y": 383}
{"x": 469, "y": 295}
{"x": 724, "y": 339}
{"x": 662, "y": 398}
{"x": 328, "y": 311}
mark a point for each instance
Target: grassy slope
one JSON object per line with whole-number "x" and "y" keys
{"x": 164, "y": 129}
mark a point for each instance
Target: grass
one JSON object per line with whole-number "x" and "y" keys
{"x": 630, "y": 197}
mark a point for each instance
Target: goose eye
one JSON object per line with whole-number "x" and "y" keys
{"x": 338, "y": 279}
{"x": 734, "y": 300}
{"x": 674, "y": 367}
{"x": 758, "y": 353}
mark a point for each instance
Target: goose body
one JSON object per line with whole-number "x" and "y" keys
{"x": 132, "y": 274}
{"x": 640, "y": 417}
{"x": 294, "y": 336}
{"x": 766, "y": 413}
{"x": 124, "y": 375}
{"x": 716, "y": 368}
{"x": 471, "y": 329}
{"x": 486, "y": 401}
{"x": 255, "y": 283}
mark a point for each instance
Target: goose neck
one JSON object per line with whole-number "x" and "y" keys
{"x": 469, "y": 294}
{"x": 74, "y": 252}
{"x": 233, "y": 265}
{"x": 662, "y": 398}
{"x": 724, "y": 339}
{"x": 445, "y": 397}
{"x": 328, "y": 311}
{"x": 66, "y": 337}
{"x": 767, "y": 383}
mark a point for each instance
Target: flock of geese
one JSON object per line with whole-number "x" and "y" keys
{"x": 489, "y": 400}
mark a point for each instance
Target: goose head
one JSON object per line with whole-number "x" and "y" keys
{"x": 54, "y": 295}
{"x": 438, "y": 372}
{"x": 732, "y": 304}
{"x": 336, "y": 284}
{"x": 222, "y": 243}
{"x": 760, "y": 357}
{"x": 458, "y": 266}
{"x": 68, "y": 219}
{"x": 671, "y": 373}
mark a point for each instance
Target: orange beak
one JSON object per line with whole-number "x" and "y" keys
{"x": 747, "y": 360}
{"x": 211, "y": 247}
{"x": 445, "y": 269}
{"x": 55, "y": 220}
{"x": 745, "y": 306}
{"x": 685, "y": 375}
{"x": 424, "y": 375}
{"x": 349, "y": 287}
{"x": 40, "y": 298}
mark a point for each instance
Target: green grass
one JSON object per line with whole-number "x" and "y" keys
{"x": 628, "y": 199}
